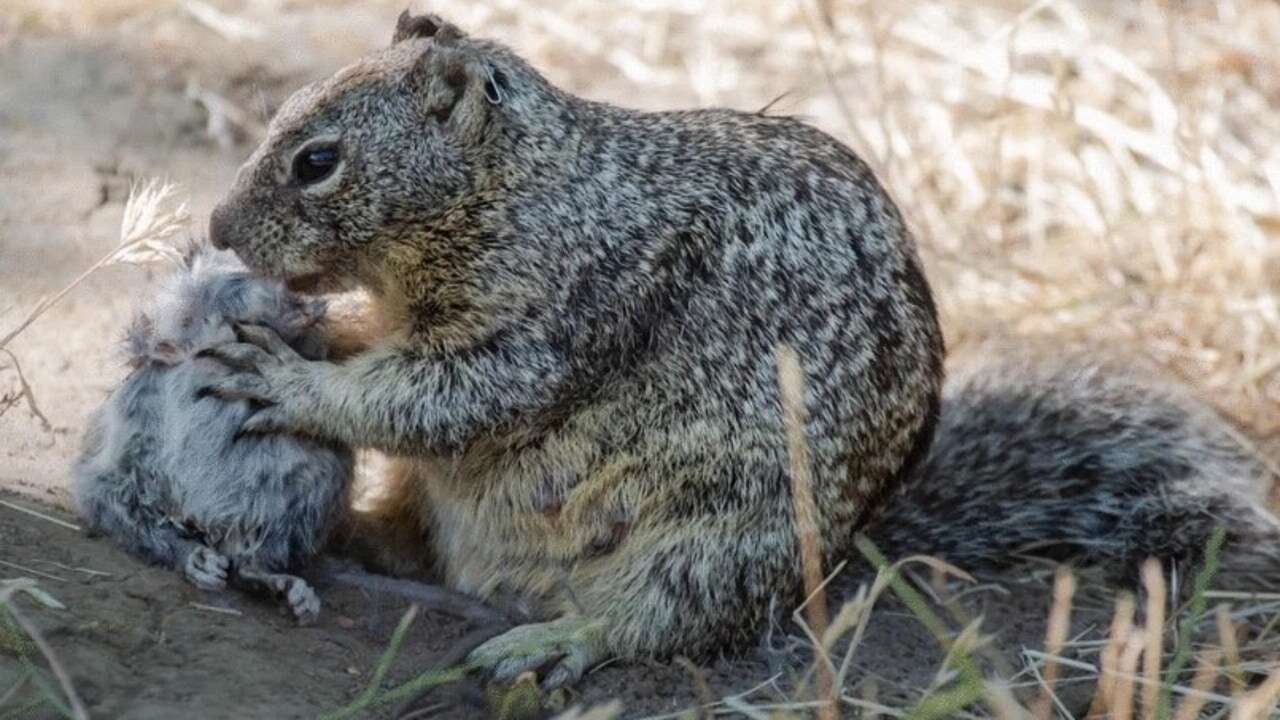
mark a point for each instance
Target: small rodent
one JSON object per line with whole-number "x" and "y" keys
{"x": 164, "y": 469}
{"x": 583, "y": 307}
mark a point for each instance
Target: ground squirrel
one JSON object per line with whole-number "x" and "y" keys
{"x": 584, "y": 305}
{"x": 163, "y": 470}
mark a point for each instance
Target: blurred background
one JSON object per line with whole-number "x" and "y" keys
{"x": 1102, "y": 170}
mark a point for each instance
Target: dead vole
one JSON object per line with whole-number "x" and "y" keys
{"x": 164, "y": 469}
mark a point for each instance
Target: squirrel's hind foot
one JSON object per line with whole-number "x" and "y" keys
{"x": 566, "y": 648}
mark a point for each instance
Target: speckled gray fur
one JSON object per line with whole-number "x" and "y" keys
{"x": 1071, "y": 456}
{"x": 162, "y": 470}
{"x": 584, "y": 305}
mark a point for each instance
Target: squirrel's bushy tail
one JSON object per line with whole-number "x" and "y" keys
{"x": 1077, "y": 459}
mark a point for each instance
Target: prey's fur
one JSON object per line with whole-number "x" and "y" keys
{"x": 164, "y": 469}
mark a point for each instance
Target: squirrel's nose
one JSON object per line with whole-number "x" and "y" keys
{"x": 220, "y": 227}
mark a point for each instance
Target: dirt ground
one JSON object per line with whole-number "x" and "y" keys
{"x": 94, "y": 99}
{"x": 139, "y": 642}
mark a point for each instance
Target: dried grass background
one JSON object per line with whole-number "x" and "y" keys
{"x": 1094, "y": 170}
{"x": 1106, "y": 171}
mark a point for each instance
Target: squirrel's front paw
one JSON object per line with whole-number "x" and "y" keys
{"x": 568, "y": 647}
{"x": 261, "y": 368}
{"x": 206, "y": 569}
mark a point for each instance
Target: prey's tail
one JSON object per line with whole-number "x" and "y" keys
{"x": 1076, "y": 459}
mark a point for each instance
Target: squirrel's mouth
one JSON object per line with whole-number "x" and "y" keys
{"x": 318, "y": 283}
{"x": 310, "y": 284}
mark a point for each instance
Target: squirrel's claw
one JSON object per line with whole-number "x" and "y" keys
{"x": 281, "y": 388}
{"x": 265, "y": 338}
{"x": 267, "y": 420}
{"x": 572, "y": 644}
{"x": 239, "y": 356}
{"x": 239, "y": 387}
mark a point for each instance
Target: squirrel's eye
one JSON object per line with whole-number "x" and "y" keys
{"x": 313, "y": 164}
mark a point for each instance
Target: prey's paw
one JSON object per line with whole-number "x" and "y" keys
{"x": 566, "y": 648}
{"x": 301, "y": 599}
{"x": 206, "y": 569}
{"x": 291, "y": 591}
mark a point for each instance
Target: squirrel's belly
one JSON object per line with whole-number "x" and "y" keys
{"x": 491, "y": 537}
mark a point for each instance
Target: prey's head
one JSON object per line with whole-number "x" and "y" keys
{"x": 354, "y": 163}
{"x": 195, "y": 307}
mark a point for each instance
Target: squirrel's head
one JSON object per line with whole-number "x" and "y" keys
{"x": 354, "y": 164}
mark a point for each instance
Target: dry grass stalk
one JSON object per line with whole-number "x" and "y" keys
{"x": 795, "y": 419}
{"x": 1259, "y": 703}
{"x": 230, "y": 27}
{"x": 1002, "y": 703}
{"x": 853, "y": 615}
{"x": 215, "y": 609}
{"x": 1153, "y": 581}
{"x": 1109, "y": 663}
{"x": 31, "y": 571}
{"x": 1126, "y": 671}
{"x": 152, "y": 219}
{"x": 72, "y": 568}
{"x": 1206, "y": 676}
{"x": 24, "y": 393}
{"x": 1230, "y": 649}
{"x": 40, "y": 515}
{"x": 858, "y": 612}
{"x": 1064, "y": 588}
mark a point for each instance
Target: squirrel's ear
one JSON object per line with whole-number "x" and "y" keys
{"x": 455, "y": 86}
{"x": 423, "y": 26}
